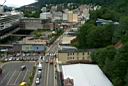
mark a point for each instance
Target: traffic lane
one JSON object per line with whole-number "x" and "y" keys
{"x": 12, "y": 75}
{"x": 45, "y": 71}
{"x": 51, "y": 75}
{"x": 43, "y": 75}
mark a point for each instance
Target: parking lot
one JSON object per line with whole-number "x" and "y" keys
{"x": 12, "y": 74}
{"x": 19, "y": 58}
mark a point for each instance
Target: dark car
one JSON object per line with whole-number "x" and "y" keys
{"x": 0, "y": 70}
{"x": 23, "y": 67}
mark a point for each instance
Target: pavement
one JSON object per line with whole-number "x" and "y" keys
{"x": 49, "y": 70}
{"x": 12, "y": 74}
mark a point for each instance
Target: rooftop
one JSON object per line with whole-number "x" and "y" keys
{"x": 67, "y": 39}
{"x": 86, "y": 75}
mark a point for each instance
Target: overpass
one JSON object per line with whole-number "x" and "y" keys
{"x": 9, "y": 33}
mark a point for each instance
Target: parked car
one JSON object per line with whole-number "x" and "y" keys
{"x": 5, "y": 59}
{"x": 38, "y": 75}
{"x": 17, "y": 59}
{"x": 37, "y": 81}
{"x": 23, "y": 67}
{"x": 10, "y": 59}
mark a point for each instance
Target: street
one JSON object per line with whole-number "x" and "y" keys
{"x": 12, "y": 74}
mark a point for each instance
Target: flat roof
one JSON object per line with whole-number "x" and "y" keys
{"x": 85, "y": 75}
{"x": 67, "y": 39}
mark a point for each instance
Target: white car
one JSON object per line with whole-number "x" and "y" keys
{"x": 10, "y": 59}
{"x": 6, "y": 59}
{"x": 17, "y": 59}
{"x": 37, "y": 81}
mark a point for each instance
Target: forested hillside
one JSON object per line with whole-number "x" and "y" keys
{"x": 111, "y": 40}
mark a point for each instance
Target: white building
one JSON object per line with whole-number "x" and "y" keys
{"x": 1, "y": 9}
{"x": 65, "y": 16}
{"x": 85, "y": 75}
{"x": 45, "y": 15}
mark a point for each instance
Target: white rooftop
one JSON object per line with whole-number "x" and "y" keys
{"x": 85, "y": 75}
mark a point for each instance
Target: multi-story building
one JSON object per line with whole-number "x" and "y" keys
{"x": 65, "y": 56}
{"x": 36, "y": 23}
{"x": 46, "y": 15}
{"x": 70, "y": 16}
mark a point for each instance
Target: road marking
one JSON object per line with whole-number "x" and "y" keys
{"x": 45, "y": 73}
{"x": 25, "y": 75}
{"x": 17, "y": 77}
{"x": 47, "y": 76}
{"x": 54, "y": 74}
{"x": 4, "y": 78}
{"x": 11, "y": 77}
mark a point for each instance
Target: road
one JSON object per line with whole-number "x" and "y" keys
{"x": 48, "y": 72}
{"x": 12, "y": 74}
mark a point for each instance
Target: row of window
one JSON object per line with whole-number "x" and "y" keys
{"x": 77, "y": 53}
{"x": 72, "y": 58}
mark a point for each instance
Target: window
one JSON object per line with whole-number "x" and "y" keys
{"x": 88, "y": 53}
{"x": 77, "y": 53}
{"x": 67, "y": 58}
{"x": 83, "y": 53}
{"x": 72, "y": 57}
{"x": 83, "y": 58}
{"x": 72, "y": 53}
{"x": 68, "y": 54}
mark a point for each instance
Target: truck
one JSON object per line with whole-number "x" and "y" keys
{"x": 39, "y": 66}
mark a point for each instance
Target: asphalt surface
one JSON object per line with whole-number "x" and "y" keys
{"x": 20, "y": 58}
{"x": 12, "y": 74}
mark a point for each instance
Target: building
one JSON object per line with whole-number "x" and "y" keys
{"x": 38, "y": 48}
{"x": 57, "y": 16}
{"x": 36, "y": 23}
{"x": 68, "y": 82}
{"x": 65, "y": 17}
{"x": 1, "y": 9}
{"x": 85, "y": 75}
{"x": 70, "y": 16}
{"x": 67, "y": 40}
{"x": 45, "y": 15}
{"x": 29, "y": 44}
{"x": 75, "y": 18}
{"x": 105, "y": 22}
{"x": 31, "y": 40}
{"x": 73, "y": 55}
